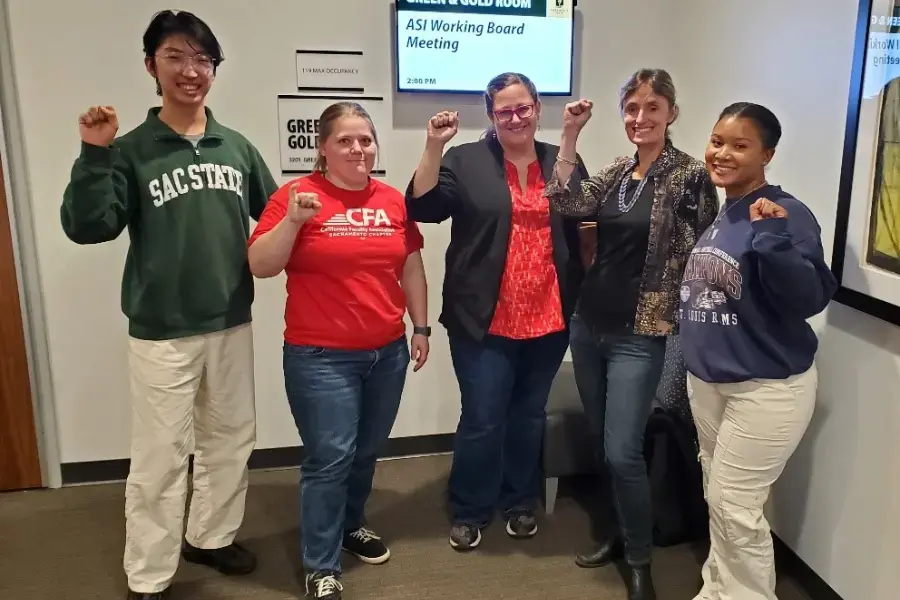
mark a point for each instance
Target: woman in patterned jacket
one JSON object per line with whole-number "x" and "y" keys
{"x": 649, "y": 211}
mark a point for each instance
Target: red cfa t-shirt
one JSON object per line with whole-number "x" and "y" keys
{"x": 343, "y": 274}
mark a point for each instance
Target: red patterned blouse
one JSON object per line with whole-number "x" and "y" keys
{"x": 529, "y": 305}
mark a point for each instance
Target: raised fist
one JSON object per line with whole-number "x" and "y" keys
{"x": 766, "y": 209}
{"x": 443, "y": 126}
{"x": 98, "y": 126}
{"x": 577, "y": 114}
{"x": 302, "y": 206}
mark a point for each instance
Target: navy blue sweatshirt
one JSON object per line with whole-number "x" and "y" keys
{"x": 748, "y": 289}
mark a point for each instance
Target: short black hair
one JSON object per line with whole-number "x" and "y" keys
{"x": 764, "y": 119}
{"x": 170, "y": 22}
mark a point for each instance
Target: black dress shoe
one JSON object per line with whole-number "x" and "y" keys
{"x": 640, "y": 584}
{"x": 154, "y": 596}
{"x": 608, "y": 552}
{"x": 230, "y": 560}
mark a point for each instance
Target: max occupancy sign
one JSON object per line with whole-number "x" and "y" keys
{"x": 459, "y": 45}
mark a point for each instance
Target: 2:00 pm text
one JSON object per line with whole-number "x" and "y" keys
{"x": 421, "y": 81}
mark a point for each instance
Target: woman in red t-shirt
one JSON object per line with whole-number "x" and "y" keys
{"x": 354, "y": 267}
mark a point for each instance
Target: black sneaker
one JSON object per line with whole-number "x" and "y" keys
{"x": 522, "y": 525}
{"x": 154, "y": 596}
{"x": 464, "y": 537}
{"x": 230, "y": 560}
{"x": 324, "y": 586}
{"x": 366, "y": 546}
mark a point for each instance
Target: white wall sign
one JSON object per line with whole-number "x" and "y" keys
{"x": 298, "y": 128}
{"x": 330, "y": 70}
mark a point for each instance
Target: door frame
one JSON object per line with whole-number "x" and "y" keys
{"x": 31, "y": 302}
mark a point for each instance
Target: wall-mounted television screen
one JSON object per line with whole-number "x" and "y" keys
{"x": 457, "y": 46}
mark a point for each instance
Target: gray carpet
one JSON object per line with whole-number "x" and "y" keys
{"x": 67, "y": 545}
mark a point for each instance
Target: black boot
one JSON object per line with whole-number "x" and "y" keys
{"x": 608, "y": 552}
{"x": 230, "y": 560}
{"x": 640, "y": 584}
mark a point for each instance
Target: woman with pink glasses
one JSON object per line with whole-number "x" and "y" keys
{"x": 513, "y": 271}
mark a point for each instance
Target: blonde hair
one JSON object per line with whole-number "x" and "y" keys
{"x": 326, "y": 126}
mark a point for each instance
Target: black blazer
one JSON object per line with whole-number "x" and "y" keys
{"x": 472, "y": 190}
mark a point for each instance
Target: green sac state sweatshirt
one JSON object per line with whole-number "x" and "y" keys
{"x": 186, "y": 204}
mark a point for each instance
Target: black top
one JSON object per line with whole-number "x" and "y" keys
{"x": 473, "y": 191}
{"x": 612, "y": 285}
{"x": 685, "y": 203}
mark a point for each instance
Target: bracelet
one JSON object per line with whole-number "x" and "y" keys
{"x": 568, "y": 161}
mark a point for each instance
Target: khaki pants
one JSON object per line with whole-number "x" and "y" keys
{"x": 747, "y": 433}
{"x": 198, "y": 389}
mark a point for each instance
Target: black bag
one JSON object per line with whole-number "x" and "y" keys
{"x": 672, "y": 393}
{"x": 680, "y": 513}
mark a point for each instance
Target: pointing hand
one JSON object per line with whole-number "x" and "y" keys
{"x": 302, "y": 206}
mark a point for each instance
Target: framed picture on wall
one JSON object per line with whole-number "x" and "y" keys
{"x": 866, "y": 258}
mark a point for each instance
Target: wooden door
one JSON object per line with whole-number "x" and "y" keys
{"x": 20, "y": 467}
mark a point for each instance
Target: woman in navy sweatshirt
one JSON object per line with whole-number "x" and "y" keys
{"x": 753, "y": 279}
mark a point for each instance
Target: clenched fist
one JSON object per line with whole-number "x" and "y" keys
{"x": 443, "y": 126}
{"x": 98, "y": 126}
{"x": 418, "y": 351}
{"x": 302, "y": 206}
{"x": 766, "y": 209}
{"x": 577, "y": 114}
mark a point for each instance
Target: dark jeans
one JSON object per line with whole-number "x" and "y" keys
{"x": 617, "y": 378}
{"x": 504, "y": 384}
{"x": 344, "y": 403}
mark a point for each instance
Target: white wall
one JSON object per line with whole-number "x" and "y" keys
{"x": 90, "y": 53}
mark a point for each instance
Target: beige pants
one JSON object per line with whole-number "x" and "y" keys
{"x": 747, "y": 433}
{"x": 198, "y": 389}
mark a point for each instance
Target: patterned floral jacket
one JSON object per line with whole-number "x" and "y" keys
{"x": 685, "y": 203}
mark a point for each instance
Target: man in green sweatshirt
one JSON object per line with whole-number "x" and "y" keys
{"x": 185, "y": 187}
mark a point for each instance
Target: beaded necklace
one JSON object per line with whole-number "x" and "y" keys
{"x": 625, "y": 206}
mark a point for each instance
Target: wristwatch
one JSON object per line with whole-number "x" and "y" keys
{"x": 426, "y": 331}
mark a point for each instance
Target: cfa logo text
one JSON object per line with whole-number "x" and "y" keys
{"x": 368, "y": 217}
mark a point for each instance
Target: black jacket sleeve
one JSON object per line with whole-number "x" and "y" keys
{"x": 440, "y": 202}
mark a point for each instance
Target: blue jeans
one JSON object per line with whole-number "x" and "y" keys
{"x": 344, "y": 403}
{"x": 617, "y": 378}
{"x": 504, "y": 384}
